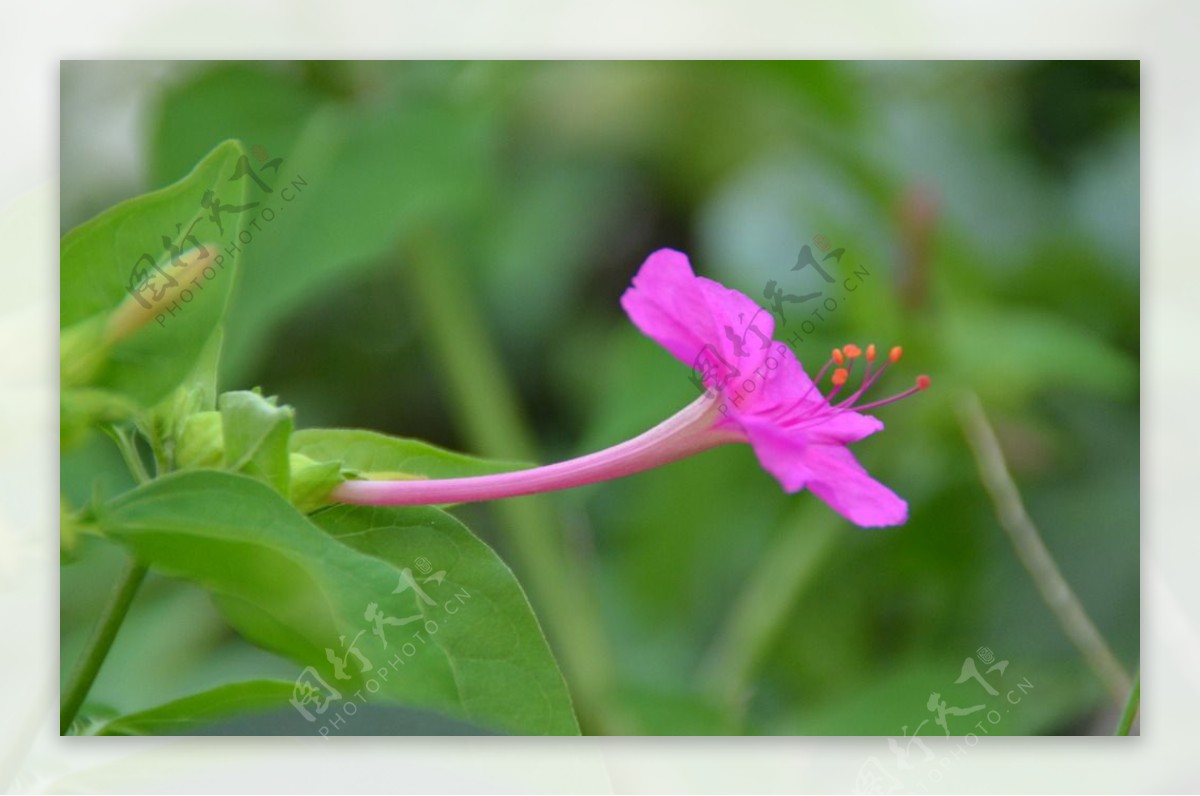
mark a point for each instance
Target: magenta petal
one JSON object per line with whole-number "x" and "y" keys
{"x": 781, "y": 454}
{"x": 844, "y": 428}
{"x": 735, "y": 315}
{"x": 687, "y": 314}
{"x": 841, "y": 481}
{"x": 829, "y": 471}
{"x": 787, "y": 389}
{"x": 665, "y": 303}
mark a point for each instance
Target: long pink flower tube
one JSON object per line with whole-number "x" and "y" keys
{"x": 757, "y": 392}
{"x": 690, "y": 431}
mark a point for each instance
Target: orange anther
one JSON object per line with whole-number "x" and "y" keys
{"x": 852, "y": 350}
{"x": 895, "y": 354}
{"x": 837, "y": 356}
{"x": 839, "y": 377}
{"x": 871, "y": 352}
{"x": 923, "y": 382}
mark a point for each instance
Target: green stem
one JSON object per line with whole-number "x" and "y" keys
{"x": 105, "y": 632}
{"x": 162, "y": 463}
{"x": 794, "y": 558}
{"x": 100, "y": 643}
{"x": 485, "y": 404}
{"x": 1131, "y": 706}
{"x": 1032, "y": 551}
{"x": 129, "y": 452}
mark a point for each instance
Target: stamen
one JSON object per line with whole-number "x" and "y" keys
{"x": 846, "y": 355}
{"x": 816, "y": 381}
{"x": 923, "y": 383}
{"x": 869, "y": 379}
{"x": 839, "y": 379}
{"x": 805, "y": 413}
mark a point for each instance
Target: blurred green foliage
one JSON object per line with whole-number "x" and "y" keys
{"x": 994, "y": 210}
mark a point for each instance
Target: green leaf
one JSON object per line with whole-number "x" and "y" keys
{"x": 394, "y": 457}
{"x": 256, "y": 432}
{"x": 184, "y": 716}
{"x": 137, "y": 318}
{"x": 369, "y": 174}
{"x": 457, "y": 634}
{"x": 503, "y": 670}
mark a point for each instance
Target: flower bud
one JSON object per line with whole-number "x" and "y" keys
{"x": 312, "y": 481}
{"x": 201, "y": 442}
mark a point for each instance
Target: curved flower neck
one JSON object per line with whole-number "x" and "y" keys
{"x": 691, "y": 430}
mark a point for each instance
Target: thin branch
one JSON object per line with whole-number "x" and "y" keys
{"x": 1131, "y": 707}
{"x": 100, "y": 643}
{"x": 127, "y": 443}
{"x": 1032, "y": 551}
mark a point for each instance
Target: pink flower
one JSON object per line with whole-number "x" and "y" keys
{"x": 798, "y": 434}
{"x": 755, "y": 391}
